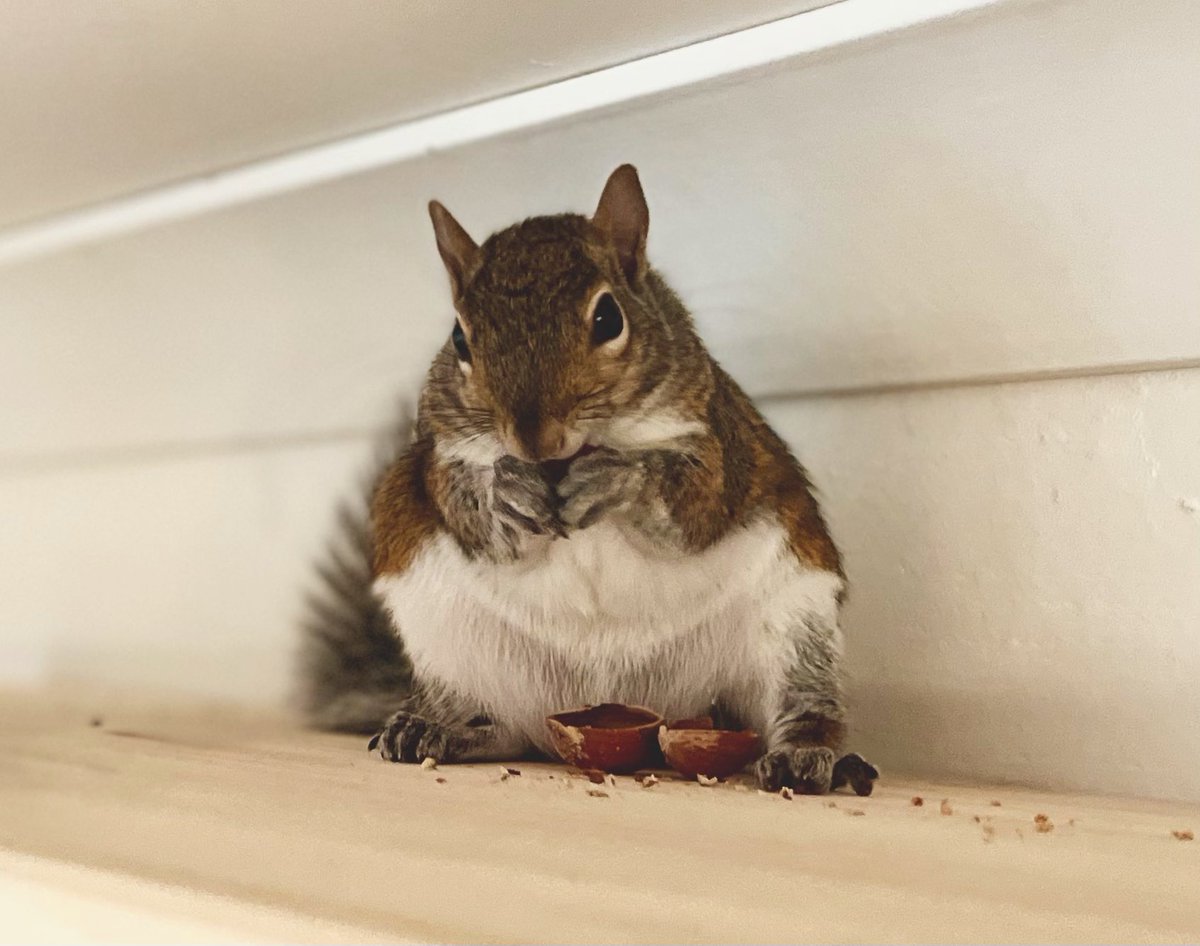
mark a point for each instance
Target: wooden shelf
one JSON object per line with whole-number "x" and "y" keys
{"x": 224, "y": 824}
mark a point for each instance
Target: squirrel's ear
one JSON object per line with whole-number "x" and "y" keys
{"x": 623, "y": 217}
{"x": 459, "y": 252}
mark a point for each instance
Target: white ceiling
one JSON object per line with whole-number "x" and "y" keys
{"x": 107, "y": 97}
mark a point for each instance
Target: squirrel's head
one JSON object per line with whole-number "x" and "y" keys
{"x": 562, "y": 331}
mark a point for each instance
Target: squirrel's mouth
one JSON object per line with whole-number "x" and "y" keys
{"x": 556, "y": 470}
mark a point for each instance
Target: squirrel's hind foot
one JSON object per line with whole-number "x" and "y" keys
{"x": 855, "y": 771}
{"x": 407, "y": 737}
{"x": 804, "y": 769}
{"x": 811, "y": 770}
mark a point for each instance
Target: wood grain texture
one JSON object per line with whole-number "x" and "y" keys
{"x": 222, "y": 802}
{"x": 49, "y": 901}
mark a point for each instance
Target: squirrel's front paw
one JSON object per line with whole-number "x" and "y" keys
{"x": 596, "y": 484}
{"x": 805, "y": 769}
{"x": 409, "y": 738}
{"x": 523, "y": 499}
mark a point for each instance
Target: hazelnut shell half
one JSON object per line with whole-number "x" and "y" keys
{"x": 610, "y": 737}
{"x": 693, "y": 750}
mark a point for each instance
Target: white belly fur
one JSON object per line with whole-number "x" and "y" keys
{"x": 602, "y": 616}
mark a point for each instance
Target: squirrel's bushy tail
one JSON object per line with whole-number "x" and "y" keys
{"x": 353, "y": 669}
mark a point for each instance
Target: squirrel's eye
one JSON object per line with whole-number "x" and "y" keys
{"x": 459, "y": 338}
{"x": 607, "y": 321}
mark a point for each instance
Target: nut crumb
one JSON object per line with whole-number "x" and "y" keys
{"x": 917, "y": 801}
{"x": 649, "y": 781}
{"x": 595, "y": 776}
{"x": 830, "y": 804}
{"x": 511, "y": 771}
{"x": 429, "y": 762}
{"x": 706, "y": 781}
{"x": 945, "y": 807}
{"x": 995, "y": 804}
{"x": 1043, "y": 824}
{"x": 1184, "y": 834}
{"x": 612, "y": 780}
{"x": 855, "y": 812}
{"x": 786, "y": 793}
{"x": 440, "y": 780}
{"x": 976, "y": 819}
{"x": 596, "y": 793}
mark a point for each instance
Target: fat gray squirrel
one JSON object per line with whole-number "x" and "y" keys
{"x": 588, "y": 509}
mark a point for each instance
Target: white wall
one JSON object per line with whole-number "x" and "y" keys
{"x": 119, "y": 95}
{"x": 959, "y": 262}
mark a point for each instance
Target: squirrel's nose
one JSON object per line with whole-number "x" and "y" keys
{"x": 536, "y": 439}
{"x": 549, "y": 440}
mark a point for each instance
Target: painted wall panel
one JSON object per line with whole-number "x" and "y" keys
{"x": 906, "y": 211}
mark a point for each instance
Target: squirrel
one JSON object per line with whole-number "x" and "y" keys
{"x": 588, "y": 510}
